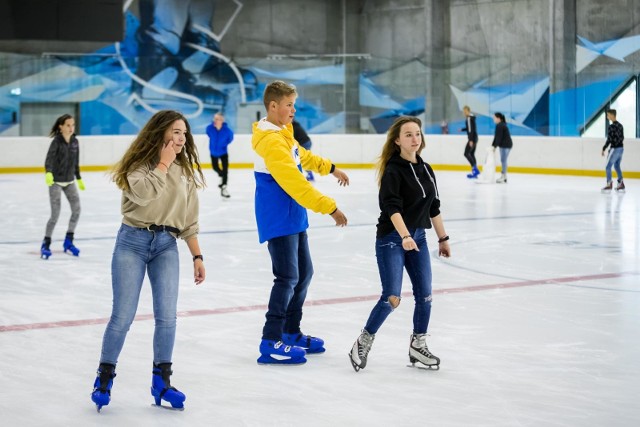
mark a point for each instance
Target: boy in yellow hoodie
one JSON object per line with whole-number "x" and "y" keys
{"x": 283, "y": 196}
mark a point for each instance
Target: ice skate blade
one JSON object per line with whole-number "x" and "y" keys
{"x": 168, "y": 408}
{"x": 266, "y": 359}
{"x": 356, "y": 367}
{"x": 424, "y": 367}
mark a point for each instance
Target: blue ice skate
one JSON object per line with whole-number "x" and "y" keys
{"x": 474, "y": 173}
{"x": 277, "y": 353}
{"x": 101, "y": 394}
{"x": 312, "y": 345}
{"x": 161, "y": 388}
{"x": 68, "y": 246}
{"x": 45, "y": 252}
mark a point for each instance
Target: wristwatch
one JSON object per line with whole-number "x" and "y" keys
{"x": 195, "y": 257}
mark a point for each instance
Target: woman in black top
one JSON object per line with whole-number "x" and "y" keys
{"x": 409, "y": 203}
{"x": 62, "y": 168}
{"x": 502, "y": 139}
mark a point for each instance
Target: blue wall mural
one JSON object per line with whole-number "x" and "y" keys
{"x": 171, "y": 59}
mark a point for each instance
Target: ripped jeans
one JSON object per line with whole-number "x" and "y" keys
{"x": 392, "y": 259}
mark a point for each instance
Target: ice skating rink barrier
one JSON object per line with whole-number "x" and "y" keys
{"x": 530, "y": 154}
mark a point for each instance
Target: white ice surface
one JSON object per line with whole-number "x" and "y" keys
{"x": 558, "y": 346}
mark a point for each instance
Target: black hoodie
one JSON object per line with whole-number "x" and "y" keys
{"x": 63, "y": 159}
{"x": 409, "y": 189}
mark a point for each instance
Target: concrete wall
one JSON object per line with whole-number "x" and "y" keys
{"x": 281, "y": 27}
{"x": 578, "y": 156}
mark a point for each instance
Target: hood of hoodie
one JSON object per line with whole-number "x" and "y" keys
{"x": 398, "y": 160}
{"x": 264, "y": 131}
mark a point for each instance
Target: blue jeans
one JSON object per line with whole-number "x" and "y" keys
{"x": 504, "y": 155}
{"x": 138, "y": 250}
{"x": 615, "y": 157}
{"x": 392, "y": 259}
{"x": 292, "y": 268}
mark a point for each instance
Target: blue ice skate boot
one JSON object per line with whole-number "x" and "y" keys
{"x": 474, "y": 173}
{"x": 161, "y": 388}
{"x": 278, "y": 353}
{"x": 101, "y": 394}
{"x": 68, "y": 245}
{"x": 45, "y": 250}
{"x": 310, "y": 344}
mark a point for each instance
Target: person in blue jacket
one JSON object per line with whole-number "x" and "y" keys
{"x": 220, "y": 136}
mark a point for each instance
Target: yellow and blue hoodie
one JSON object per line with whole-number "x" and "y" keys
{"x": 283, "y": 194}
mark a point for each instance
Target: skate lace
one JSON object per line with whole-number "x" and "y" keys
{"x": 366, "y": 341}
{"x": 420, "y": 344}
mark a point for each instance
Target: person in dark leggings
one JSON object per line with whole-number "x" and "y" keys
{"x": 472, "y": 141}
{"x": 220, "y": 136}
{"x": 62, "y": 168}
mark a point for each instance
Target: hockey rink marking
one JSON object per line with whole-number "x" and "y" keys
{"x": 328, "y": 301}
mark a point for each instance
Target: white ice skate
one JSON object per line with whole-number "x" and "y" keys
{"x": 419, "y": 352}
{"x": 360, "y": 350}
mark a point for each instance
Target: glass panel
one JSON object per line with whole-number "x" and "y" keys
{"x": 625, "y": 104}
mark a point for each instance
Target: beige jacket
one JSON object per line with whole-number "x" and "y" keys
{"x": 161, "y": 199}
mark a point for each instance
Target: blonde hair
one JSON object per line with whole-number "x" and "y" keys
{"x": 390, "y": 147}
{"x": 277, "y": 90}
{"x": 145, "y": 150}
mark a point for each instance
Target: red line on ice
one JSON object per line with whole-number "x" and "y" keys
{"x": 328, "y": 301}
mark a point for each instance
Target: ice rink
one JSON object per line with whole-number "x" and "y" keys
{"x": 536, "y": 316}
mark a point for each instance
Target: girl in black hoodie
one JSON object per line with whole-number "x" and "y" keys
{"x": 409, "y": 204}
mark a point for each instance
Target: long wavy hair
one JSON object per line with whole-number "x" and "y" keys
{"x": 390, "y": 147}
{"x": 145, "y": 150}
{"x": 55, "y": 129}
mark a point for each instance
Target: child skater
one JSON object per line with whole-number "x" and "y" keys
{"x": 62, "y": 165}
{"x": 409, "y": 203}
{"x": 159, "y": 204}
{"x": 282, "y": 198}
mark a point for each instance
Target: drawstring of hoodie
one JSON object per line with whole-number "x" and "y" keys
{"x": 432, "y": 181}
{"x": 421, "y": 187}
